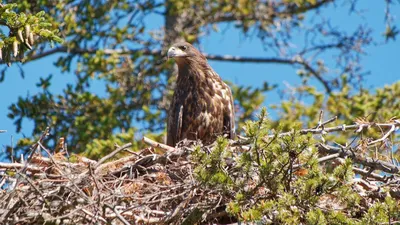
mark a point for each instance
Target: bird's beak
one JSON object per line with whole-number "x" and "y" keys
{"x": 175, "y": 52}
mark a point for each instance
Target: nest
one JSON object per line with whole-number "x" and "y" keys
{"x": 143, "y": 188}
{"x": 151, "y": 186}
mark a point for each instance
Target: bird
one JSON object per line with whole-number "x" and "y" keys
{"x": 202, "y": 106}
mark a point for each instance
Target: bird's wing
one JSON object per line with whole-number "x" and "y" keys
{"x": 174, "y": 127}
{"x": 179, "y": 123}
{"x": 229, "y": 115}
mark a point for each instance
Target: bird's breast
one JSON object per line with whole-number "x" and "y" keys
{"x": 202, "y": 116}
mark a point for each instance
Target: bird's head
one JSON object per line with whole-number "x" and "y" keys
{"x": 184, "y": 52}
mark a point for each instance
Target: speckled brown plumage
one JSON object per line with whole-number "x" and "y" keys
{"x": 202, "y": 105}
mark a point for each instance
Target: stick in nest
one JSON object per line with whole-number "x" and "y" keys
{"x": 157, "y": 144}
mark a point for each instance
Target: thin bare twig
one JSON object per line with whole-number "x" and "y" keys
{"x": 121, "y": 218}
{"x": 384, "y": 137}
{"x": 157, "y": 144}
{"x": 112, "y": 154}
{"x": 366, "y": 161}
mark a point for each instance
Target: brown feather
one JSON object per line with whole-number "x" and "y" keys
{"x": 202, "y": 105}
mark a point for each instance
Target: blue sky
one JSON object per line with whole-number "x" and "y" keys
{"x": 381, "y": 60}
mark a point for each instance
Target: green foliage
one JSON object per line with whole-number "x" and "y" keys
{"x": 266, "y": 185}
{"x": 99, "y": 147}
{"x": 24, "y": 29}
{"x": 383, "y": 212}
{"x": 316, "y": 217}
{"x": 249, "y": 100}
{"x": 213, "y": 169}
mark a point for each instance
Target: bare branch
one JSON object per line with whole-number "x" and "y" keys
{"x": 366, "y": 161}
{"x": 118, "y": 215}
{"x": 21, "y": 166}
{"x": 392, "y": 129}
{"x": 297, "y": 60}
{"x": 357, "y": 127}
{"x": 157, "y": 145}
{"x": 112, "y": 154}
{"x": 266, "y": 14}
{"x": 368, "y": 174}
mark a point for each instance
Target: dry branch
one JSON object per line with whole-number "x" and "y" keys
{"x": 112, "y": 154}
{"x": 157, "y": 145}
{"x": 357, "y": 158}
{"x": 21, "y": 166}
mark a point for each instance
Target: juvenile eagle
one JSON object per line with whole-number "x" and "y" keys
{"x": 202, "y": 105}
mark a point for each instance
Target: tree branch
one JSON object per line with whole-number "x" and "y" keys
{"x": 357, "y": 127}
{"x": 266, "y": 14}
{"x": 222, "y": 58}
{"x": 112, "y": 154}
{"x": 155, "y": 144}
{"x": 78, "y": 51}
{"x": 366, "y": 161}
{"x": 294, "y": 61}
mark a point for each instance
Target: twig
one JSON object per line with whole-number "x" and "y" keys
{"x": 121, "y": 218}
{"x": 338, "y": 128}
{"x": 41, "y": 160}
{"x": 392, "y": 129}
{"x": 157, "y": 144}
{"x": 329, "y": 121}
{"x": 93, "y": 216}
{"x": 320, "y": 160}
{"x": 368, "y": 174}
{"x": 33, "y": 149}
{"x": 179, "y": 209}
{"x": 367, "y": 161}
{"x": 86, "y": 160}
{"x": 328, "y": 157}
{"x": 121, "y": 161}
{"x": 20, "y": 166}
{"x": 109, "y": 156}
{"x": 2, "y": 181}
{"x": 37, "y": 190}
{"x": 321, "y": 114}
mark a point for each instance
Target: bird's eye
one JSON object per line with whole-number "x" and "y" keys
{"x": 183, "y": 47}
